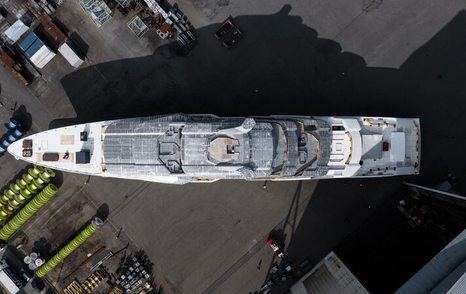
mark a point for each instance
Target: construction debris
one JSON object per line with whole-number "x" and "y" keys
{"x": 15, "y": 67}
{"x": 228, "y": 33}
{"x": 173, "y": 18}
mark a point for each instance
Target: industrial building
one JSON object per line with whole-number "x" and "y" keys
{"x": 329, "y": 276}
{"x": 444, "y": 273}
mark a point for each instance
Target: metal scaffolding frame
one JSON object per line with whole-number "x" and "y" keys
{"x": 123, "y": 3}
{"x": 137, "y": 26}
{"x": 97, "y": 10}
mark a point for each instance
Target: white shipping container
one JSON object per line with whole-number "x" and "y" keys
{"x": 7, "y": 283}
{"x": 70, "y": 55}
{"x": 39, "y": 54}
{"x": 42, "y": 57}
{"x": 45, "y": 60}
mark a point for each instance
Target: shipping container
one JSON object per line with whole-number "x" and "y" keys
{"x": 34, "y": 48}
{"x": 70, "y": 55}
{"x": 45, "y": 60}
{"x": 28, "y": 41}
{"x": 42, "y": 57}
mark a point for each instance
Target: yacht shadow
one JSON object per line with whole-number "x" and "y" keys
{"x": 279, "y": 66}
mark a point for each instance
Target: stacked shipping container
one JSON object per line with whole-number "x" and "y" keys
{"x": 70, "y": 55}
{"x": 36, "y": 50}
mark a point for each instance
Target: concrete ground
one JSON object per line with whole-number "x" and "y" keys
{"x": 392, "y": 58}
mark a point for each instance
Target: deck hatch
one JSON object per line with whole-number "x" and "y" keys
{"x": 83, "y": 157}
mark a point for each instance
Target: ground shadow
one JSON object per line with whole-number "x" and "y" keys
{"x": 43, "y": 248}
{"x": 278, "y": 62}
{"x": 78, "y": 44}
{"x": 38, "y": 284}
{"x": 103, "y": 212}
{"x": 21, "y": 115}
{"x": 281, "y": 66}
{"x": 60, "y": 25}
{"x": 58, "y": 179}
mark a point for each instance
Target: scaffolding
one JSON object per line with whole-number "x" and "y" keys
{"x": 123, "y": 3}
{"x": 97, "y": 10}
{"x": 138, "y": 27}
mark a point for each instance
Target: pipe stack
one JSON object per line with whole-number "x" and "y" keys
{"x": 28, "y": 211}
{"x": 22, "y": 189}
{"x": 69, "y": 248}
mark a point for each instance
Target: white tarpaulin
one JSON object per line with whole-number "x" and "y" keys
{"x": 16, "y": 30}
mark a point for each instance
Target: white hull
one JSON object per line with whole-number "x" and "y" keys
{"x": 180, "y": 148}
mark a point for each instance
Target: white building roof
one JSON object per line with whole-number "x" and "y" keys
{"x": 7, "y": 283}
{"x": 329, "y": 276}
{"x": 459, "y": 287}
{"x": 444, "y": 273}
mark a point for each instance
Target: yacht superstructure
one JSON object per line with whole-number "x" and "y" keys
{"x": 181, "y": 148}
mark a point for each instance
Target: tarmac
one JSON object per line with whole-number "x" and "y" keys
{"x": 391, "y": 58}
